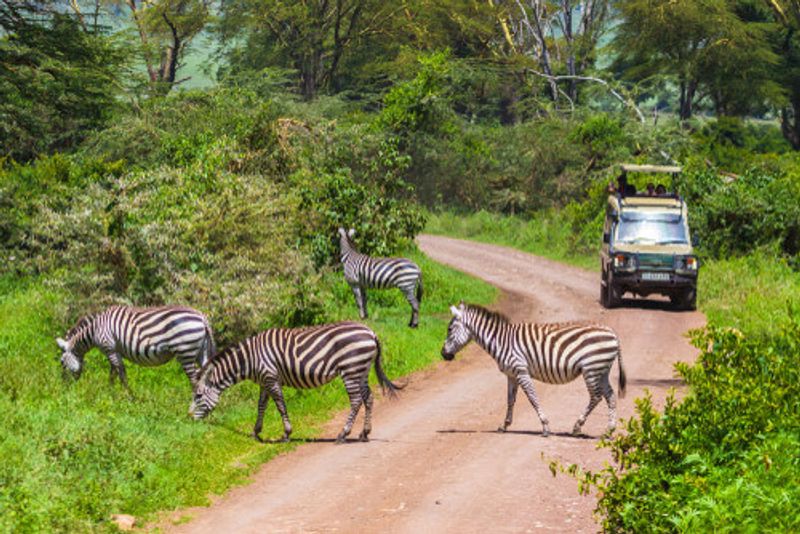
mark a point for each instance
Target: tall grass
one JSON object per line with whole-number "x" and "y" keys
{"x": 76, "y": 452}
{"x": 545, "y": 233}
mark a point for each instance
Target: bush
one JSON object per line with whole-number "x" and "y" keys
{"x": 724, "y": 457}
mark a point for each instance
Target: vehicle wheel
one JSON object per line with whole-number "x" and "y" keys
{"x": 686, "y": 300}
{"x": 603, "y": 293}
{"x": 613, "y": 295}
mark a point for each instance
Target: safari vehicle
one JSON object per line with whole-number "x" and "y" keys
{"x": 647, "y": 247}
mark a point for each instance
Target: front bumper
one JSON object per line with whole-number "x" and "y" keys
{"x": 637, "y": 282}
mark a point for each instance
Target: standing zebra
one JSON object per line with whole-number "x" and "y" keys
{"x": 147, "y": 336}
{"x": 301, "y": 358}
{"x": 362, "y": 271}
{"x": 555, "y": 353}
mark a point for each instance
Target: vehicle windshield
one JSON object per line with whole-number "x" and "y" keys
{"x": 651, "y": 227}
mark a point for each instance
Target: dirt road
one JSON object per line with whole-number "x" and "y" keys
{"x": 435, "y": 463}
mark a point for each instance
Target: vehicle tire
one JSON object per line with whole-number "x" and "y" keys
{"x": 613, "y": 296}
{"x": 686, "y": 300}
{"x": 603, "y": 292}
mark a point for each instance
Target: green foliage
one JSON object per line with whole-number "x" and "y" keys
{"x": 422, "y": 104}
{"x": 725, "y": 455}
{"x": 738, "y": 215}
{"x": 58, "y": 82}
{"x": 85, "y": 450}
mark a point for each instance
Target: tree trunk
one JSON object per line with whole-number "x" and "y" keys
{"x": 790, "y": 127}
{"x": 687, "y": 92}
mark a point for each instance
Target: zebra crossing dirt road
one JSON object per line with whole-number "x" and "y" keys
{"x": 436, "y": 463}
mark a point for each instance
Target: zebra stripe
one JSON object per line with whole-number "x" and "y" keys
{"x": 362, "y": 272}
{"x": 145, "y": 336}
{"x": 301, "y": 358}
{"x": 555, "y": 353}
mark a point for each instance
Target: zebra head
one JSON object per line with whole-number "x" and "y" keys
{"x": 458, "y": 334}
{"x": 346, "y": 240}
{"x": 71, "y": 360}
{"x": 205, "y": 399}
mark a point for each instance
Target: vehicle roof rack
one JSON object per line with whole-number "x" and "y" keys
{"x": 667, "y": 169}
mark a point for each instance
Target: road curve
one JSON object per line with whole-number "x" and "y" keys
{"x": 436, "y": 463}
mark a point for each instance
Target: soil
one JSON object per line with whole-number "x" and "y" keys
{"x": 436, "y": 462}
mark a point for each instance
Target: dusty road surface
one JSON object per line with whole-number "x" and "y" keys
{"x": 436, "y": 463}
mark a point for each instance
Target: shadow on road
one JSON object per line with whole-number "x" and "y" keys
{"x": 649, "y": 304}
{"x": 516, "y": 432}
{"x": 657, "y": 382}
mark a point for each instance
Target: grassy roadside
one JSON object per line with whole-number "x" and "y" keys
{"x": 544, "y": 234}
{"x": 752, "y": 293}
{"x": 83, "y": 451}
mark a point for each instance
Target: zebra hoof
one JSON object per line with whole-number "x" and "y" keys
{"x": 545, "y": 432}
{"x": 285, "y": 438}
{"x": 340, "y": 438}
{"x": 256, "y": 437}
{"x": 576, "y": 431}
{"x": 364, "y": 436}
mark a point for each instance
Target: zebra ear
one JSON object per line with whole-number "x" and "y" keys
{"x": 455, "y": 311}
{"x": 62, "y": 344}
{"x": 351, "y": 233}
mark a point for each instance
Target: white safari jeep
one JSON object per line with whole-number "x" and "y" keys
{"x": 647, "y": 247}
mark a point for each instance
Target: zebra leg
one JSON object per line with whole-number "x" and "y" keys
{"x": 263, "y": 399}
{"x": 119, "y": 367}
{"x": 354, "y": 392}
{"x": 594, "y": 398}
{"x": 611, "y": 400}
{"x": 526, "y": 384}
{"x": 366, "y": 396}
{"x": 277, "y": 395}
{"x": 189, "y": 366}
{"x": 512, "y": 398}
{"x": 412, "y": 300}
{"x": 361, "y": 300}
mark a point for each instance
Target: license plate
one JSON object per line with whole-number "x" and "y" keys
{"x": 660, "y": 277}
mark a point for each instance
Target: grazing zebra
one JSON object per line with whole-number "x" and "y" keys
{"x": 555, "y": 353}
{"x": 301, "y": 358}
{"x": 362, "y": 271}
{"x": 147, "y": 336}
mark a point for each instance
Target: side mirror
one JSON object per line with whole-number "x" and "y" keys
{"x": 606, "y": 237}
{"x": 695, "y": 241}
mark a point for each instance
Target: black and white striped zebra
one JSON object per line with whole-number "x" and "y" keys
{"x": 146, "y": 336}
{"x": 362, "y": 272}
{"x": 300, "y": 358}
{"x": 555, "y": 353}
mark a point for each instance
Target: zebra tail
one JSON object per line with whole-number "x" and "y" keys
{"x": 419, "y": 288}
{"x": 209, "y": 347}
{"x": 389, "y": 388}
{"x": 621, "y": 382}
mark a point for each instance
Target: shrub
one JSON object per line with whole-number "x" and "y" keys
{"x": 725, "y": 456}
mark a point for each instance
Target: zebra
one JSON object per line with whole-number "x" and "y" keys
{"x": 301, "y": 358}
{"x": 362, "y": 271}
{"x": 555, "y": 353}
{"x": 147, "y": 336}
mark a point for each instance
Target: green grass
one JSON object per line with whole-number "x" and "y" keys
{"x": 75, "y": 453}
{"x": 544, "y": 234}
{"x": 752, "y": 293}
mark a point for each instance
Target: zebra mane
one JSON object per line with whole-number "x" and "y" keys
{"x": 82, "y": 323}
{"x": 487, "y": 314}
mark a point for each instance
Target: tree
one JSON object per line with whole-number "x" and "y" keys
{"x": 787, "y": 14}
{"x": 59, "y": 78}
{"x": 312, "y": 37}
{"x": 704, "y": 46}
{"x": 165, "y": 29}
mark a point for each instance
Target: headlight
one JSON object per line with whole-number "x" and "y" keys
{"x": 625, "y": 263}
{"x": 686, "y": 264}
